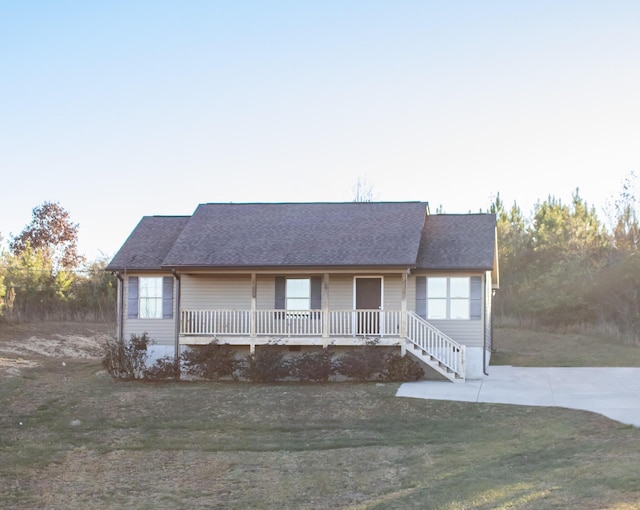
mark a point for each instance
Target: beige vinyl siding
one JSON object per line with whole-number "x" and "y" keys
{"x": 266, "y": 292}
{"x": 234, "y": 291}
{"x": 161, "y": 331}
{"x": 411, "y": 293}
{"x": 392, "y": 292}
{"x": 222, "y": 292}
{"x": 469, "y": 333}
{"x": 341, "y": 292}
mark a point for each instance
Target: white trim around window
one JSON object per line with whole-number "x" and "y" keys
{"x": 453, "y": 298}
{"x": 150, "y": 297}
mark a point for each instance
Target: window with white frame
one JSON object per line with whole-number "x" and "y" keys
{"x": 453, "y": 298}
{"x": 298, "y": 294}
{"x": 150, "y": 297}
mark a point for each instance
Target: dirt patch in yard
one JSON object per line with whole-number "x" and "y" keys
{"x": 12, "y": 366}
{"x": 25, "y": 346}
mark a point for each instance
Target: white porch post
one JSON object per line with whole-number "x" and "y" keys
{"x": 403, "y": 306}
{"x": 254, "y": 305}
{"x": 177, "y": 317}
{"x": 325, "y": 309}
{"x": 120, "y": 306}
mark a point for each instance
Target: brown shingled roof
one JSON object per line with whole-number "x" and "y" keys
{"x": 300, "y": 234}
{"x": 149, "y": 243}
{"x": 458, "y": 241}
{"x": 356, "y": 234}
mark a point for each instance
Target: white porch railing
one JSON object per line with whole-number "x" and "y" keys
{"x": 364, "y": 322}
{"x": 290, "y": 322}
{"x": 215, "y": 322}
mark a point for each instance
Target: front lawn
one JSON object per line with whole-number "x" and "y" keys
{"x": 73, "y": 438}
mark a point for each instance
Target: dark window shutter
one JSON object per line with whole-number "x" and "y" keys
{"x": 167, "y": 297}
{"x": 421, "y": 296}
{"x": 281, "y": 286}
{"x": 316, "y": 293}
{"x": 476, "y": 298}
{"x": 132, "y": 298}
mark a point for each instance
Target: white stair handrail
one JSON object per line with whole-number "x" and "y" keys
{"x": 437, "y": 345}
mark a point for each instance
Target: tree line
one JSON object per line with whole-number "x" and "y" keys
{"x": 44, "y": 277}
{"x": 560, "y": 266}
{"x": 563, "y": 267}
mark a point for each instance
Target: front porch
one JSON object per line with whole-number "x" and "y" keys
{"x": 324, "y": 328}
{"x": 292, "y": 324}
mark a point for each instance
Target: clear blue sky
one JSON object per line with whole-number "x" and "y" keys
{"x": 122, "y": 109}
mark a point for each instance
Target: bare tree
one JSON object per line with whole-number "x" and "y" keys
{"x": 362, "y": 190}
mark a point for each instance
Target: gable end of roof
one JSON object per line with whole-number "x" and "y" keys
{"x": 458, "y": 242}
{"x": 148, "y": 244}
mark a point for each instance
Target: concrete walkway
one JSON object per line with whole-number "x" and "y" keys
{"x": 612, "y": 392}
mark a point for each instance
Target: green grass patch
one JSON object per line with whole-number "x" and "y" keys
{"x": 527, "y": 348}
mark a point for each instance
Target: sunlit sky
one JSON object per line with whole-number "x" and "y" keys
{"x": 122, "y": 109}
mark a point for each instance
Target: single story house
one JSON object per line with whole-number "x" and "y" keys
{"x": 313, "y": 275}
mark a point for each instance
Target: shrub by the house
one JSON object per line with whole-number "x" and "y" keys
{"x": 128, "y": 360}
{"x": 401, "y": 368}
{"x": 266, "y": 364}
{"x": 213, "y": 362}
{"x": 316, "y": 366}
{"x": 163, "y": 368}
{"x": 363, "y": 363}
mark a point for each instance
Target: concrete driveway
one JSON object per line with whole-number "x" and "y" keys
{"x": 612, "y": 392}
